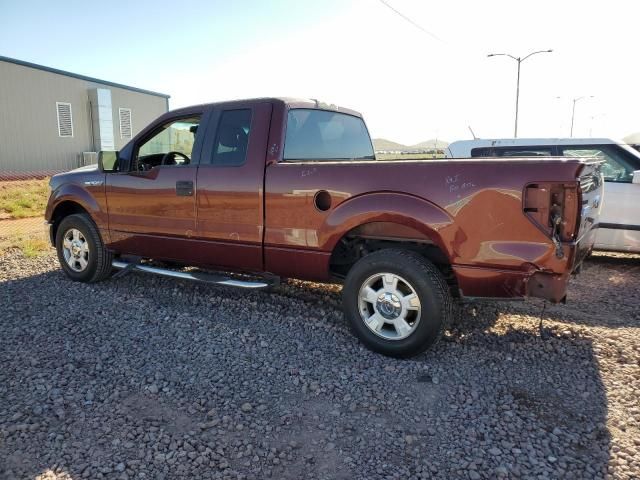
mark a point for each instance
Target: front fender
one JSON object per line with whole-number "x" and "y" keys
{"x": 91, "y": 199}
{"x": 392, "y": 207}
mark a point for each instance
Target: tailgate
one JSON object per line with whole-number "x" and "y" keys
{"x": 589, "y": 203}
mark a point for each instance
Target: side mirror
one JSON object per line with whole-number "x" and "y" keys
{"x": 636, "y": 177}
{"x": 108, "y": 161}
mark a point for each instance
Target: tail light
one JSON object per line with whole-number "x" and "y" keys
{"x": 553, "y": 207}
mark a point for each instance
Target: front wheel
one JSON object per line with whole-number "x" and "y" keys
{"x": 396, "y": 302}
{"x": 81, "y": 252}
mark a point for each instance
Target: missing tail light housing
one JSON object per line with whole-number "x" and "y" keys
{"x": 553, "y": 207}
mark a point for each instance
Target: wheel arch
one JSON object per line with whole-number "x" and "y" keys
{"x": 60, "y": 211}
{"x": 389, "y": 220}
{"x": 70, "y": 198}
{"x": 399, "y": 215}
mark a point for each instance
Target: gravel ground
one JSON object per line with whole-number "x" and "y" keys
{"x": 144, "y": 377}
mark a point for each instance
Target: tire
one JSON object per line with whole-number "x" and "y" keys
{"x": 420, "y": 298}
{"x": 81, "y": 251}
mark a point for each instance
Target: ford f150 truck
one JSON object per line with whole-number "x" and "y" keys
{"x": 270, "y": 188}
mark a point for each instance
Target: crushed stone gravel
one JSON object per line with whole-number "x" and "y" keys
{"x": 149, "y": 378}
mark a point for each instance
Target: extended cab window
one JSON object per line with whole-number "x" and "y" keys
{"x": 616, "y": 168}
{"x": 524, "y": 152}
{"x": 511, "y": 152}
{"x": 232, "y": 138}
{"x": 482, "y": 152}
{"x": 171, "y": 145}
{"x": 324, "y": 135}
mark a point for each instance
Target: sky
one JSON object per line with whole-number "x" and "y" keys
{"x": 412, "y": 83}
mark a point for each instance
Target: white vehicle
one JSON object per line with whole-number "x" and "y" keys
{"x": 619, "y": 228}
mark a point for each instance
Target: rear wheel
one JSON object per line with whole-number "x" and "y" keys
{"x": 397, "y": 302}
{"x": 80, "y": 249}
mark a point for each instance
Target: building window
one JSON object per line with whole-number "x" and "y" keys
{"x": 65, "y": 119}
{"x": 125, "y": 122}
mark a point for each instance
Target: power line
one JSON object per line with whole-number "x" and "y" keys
{"x": 432, "y": 35}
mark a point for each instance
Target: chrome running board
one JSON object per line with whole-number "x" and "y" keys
{"x": 195, "y": 276}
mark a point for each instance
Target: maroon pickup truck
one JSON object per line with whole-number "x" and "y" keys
{"x": 276, "y": 187}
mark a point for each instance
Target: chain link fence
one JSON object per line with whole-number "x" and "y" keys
{"x": 23, "y": 198}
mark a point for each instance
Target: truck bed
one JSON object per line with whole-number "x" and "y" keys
{"x": 471, "y": 210}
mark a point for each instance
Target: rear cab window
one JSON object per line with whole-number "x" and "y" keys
{"x": 317, "y": 135}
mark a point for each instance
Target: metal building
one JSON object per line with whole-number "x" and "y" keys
{"x": 52, "y": 120}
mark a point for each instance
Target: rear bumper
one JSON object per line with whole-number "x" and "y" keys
{"x": 549, "y": 286}
{"x": 486, "y": 282}
{"x": 475, "y": 282}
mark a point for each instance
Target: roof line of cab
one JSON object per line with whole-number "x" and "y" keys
{"x": 288, "y": 102}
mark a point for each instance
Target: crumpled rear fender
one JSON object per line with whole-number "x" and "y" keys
{"x": 389, "y": 207}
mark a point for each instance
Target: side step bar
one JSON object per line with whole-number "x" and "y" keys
{"x": 196, "y": 276}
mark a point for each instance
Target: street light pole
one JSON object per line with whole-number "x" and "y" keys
{"x": 519, "y": 60}
{"x": 573, "y": 111}
{"x": 515, "y": 129}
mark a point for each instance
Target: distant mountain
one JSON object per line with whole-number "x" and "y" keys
{"x": 431, "y": 144}
{"x": 380, "y": 144}
{"x": 632, "y": 139}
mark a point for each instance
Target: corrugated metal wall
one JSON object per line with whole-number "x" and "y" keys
{"x": 144, "y": 109}
{"x": 29, "y": 139}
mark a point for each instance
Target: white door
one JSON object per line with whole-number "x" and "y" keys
{"x": 620, "y": 215}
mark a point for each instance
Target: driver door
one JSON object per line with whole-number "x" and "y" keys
{"x": 152, "y": 204}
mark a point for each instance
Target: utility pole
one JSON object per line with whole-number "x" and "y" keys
{"x": 519, "y": 60}
{"x": 573, "y": 111}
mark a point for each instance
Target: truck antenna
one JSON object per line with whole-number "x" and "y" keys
{"x": 471, "y": 130}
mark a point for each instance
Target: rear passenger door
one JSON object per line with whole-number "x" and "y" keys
{"x": 229, "y": 199}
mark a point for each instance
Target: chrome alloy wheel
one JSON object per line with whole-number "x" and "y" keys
{"x": 75, "y": 249}
{"x": 389, "y": 306}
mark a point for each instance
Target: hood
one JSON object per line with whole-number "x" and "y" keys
{"x": 86, "y": 168}
{"x": 78, "y": 175}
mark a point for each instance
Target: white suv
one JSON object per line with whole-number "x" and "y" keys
{"x": 619, "y": 228}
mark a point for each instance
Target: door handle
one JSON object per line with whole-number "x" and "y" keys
{"x": 184, "y": 188}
